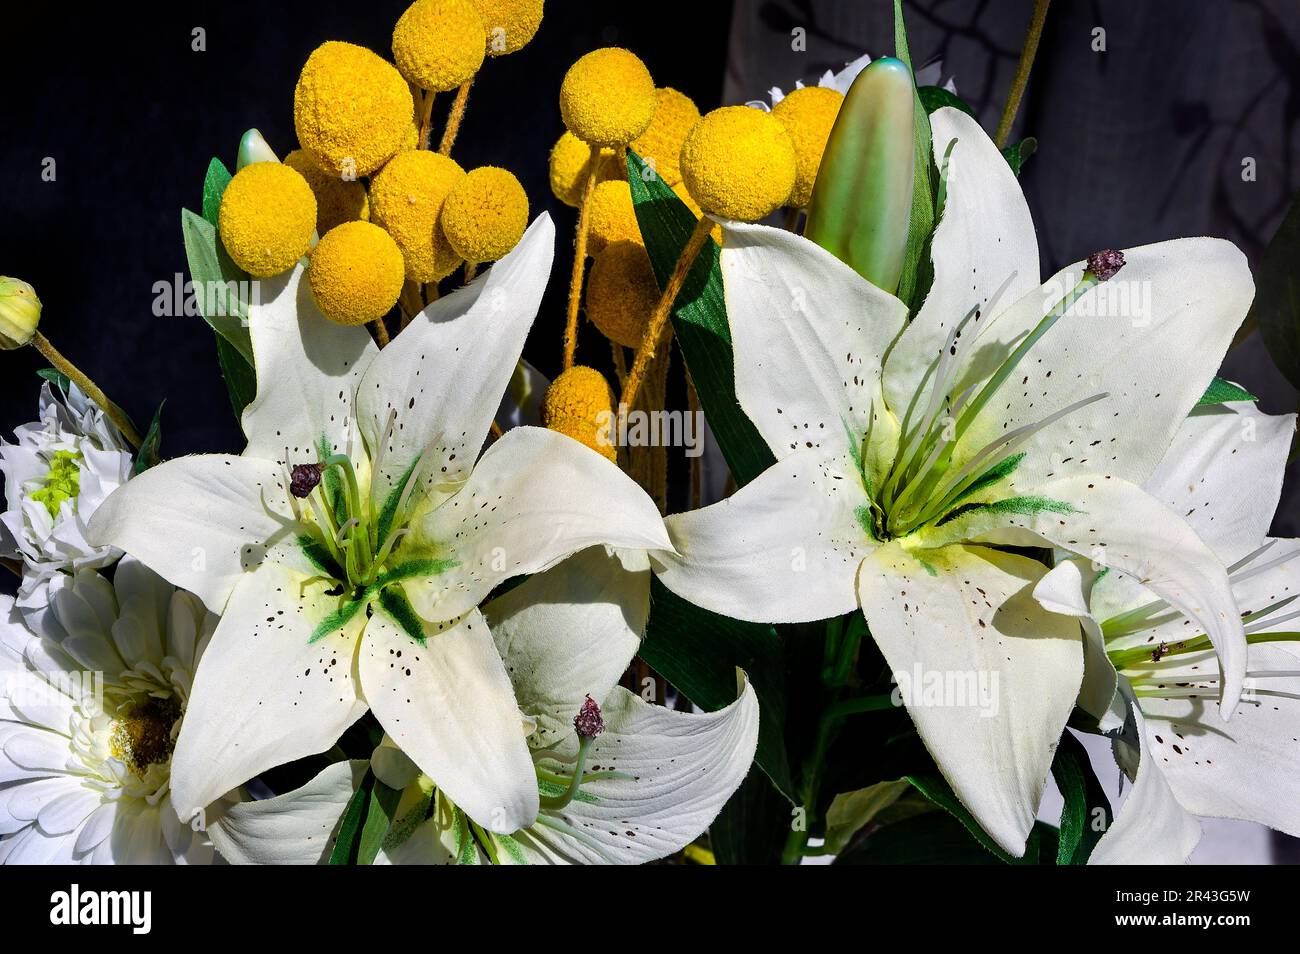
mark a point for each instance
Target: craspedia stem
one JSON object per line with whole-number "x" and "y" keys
{"x": 381, "y": 332}
{"x": 580, "y": 258}
{"x": 1021, "y": 80}
{"x": 454, "y": 117}
{"x": 88, "y": 387}
{"x": 426, "y": 118}
{"x": 659, "y": 318}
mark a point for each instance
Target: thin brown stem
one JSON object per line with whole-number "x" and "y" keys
{"x": 471, "y": 268}
{"x": 579, "y": 260}
{"x": 697, "y": 475}
{"x": 88, "y": 387}
{"x": 454, "y": 117}
{"x": 655, "y": 328}
{"x": 1021, "y": 79}
{"x": 620, "y": 362}
{"x": 410, "y": 302}
{"x": 381, "y": 332}
{"x": 426, "y": 118}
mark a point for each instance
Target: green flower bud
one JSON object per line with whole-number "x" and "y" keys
{"x": 20, "y": 312}
{"x": 253, "y": 148}
{"x": 862, "y": 201}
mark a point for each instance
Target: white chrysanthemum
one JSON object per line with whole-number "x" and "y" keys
{"x": 90, "y": 707}
{"x": 841, "y": 81}
{"x": 59, "y": 471}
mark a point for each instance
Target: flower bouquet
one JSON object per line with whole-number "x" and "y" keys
{"x": 962, "y": 532}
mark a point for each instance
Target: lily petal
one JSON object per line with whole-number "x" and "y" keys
{"x": 967, "y": 613}
{"x": 1067, "y": 589}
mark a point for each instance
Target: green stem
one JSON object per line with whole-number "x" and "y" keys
{"x": 559, "y": 801}
{"x": 88, "y": 387}
{"x": 1021, "y": 79}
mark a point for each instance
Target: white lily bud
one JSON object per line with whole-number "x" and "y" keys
{"x": 20, "y": 312}
{"x": 253, "y": 148}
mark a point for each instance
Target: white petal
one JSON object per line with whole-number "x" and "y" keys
{"x": 570, "y": 632}
{"x": 65, "y": 813}
{"x": 809, "y": 333}
{"x": 682, "y": 767}
{"x": 200, "y": 522}
{"x": 785, "y": 548}
{"x": 445, "y": 373}
{"x": 969, "y": 616}
{"x": 264, "y": 693}
{"x": 985, "y": 255}
{"x": 97, "y": 828}
{"x": 307, "y": 373}
{"x": 296, "y": 828}
{"x": 1067, "y": 589}
{"x": 448, "y": 705}
{"x": 535, "y": 498}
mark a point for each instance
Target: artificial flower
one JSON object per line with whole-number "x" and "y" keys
{"x": 349, "y": 547}
{"x": 1152, "y": 682}
{"x": 841, "y": 81}
{"x": 1005, "y": 413}
{"x": 60, "y": 470}
{"x": 91, "y": 702}
{"x": 622, "y": 781}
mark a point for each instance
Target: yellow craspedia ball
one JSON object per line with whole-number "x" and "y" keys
{"x": 356, "y": 273}
{"x": 611, "y": 216}
{"x": 568, "y": 168}
{"x": 739, "y": 163}
{"x": 661, "y": 143}
{"x": 808, "y": 115}
{"x": 337, "y": 200}
{"x": 510, "y": 24}
{"x": 485, "y": 214}
{"x": 607, "y": 97}
{"x": 267, "y": 217}
{"x": 439, "y": 44}
{"x": 580, "y": 404}
{"x": 406, "y": 198}
{"x": 351, "y": 109}
{"x": 622, "y": 292}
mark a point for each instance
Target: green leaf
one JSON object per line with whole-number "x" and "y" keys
{"x": 752, "y": 827}
{"x": 381, "y": 809}
{"x": 849, "y": 811}
{"x": 147, "y": 456}
{"x": 1277, "y": 296}
{"x": 699, "y": 319}
{"x": 1085, "y": 802}
{"x": 241, "y": 382}
{"x": 212, "y": 272}
{"x": 347, "y": 845}
{"x": 699, "y": 652}
{"x": 934, "y": 838}
{"x": 55, "y": 377}
{"x": 1018, "y": 152}
{"x": 918, "y": 271}
{"x": 1221, "y": 391}
{"x": 936, "y": 97}
{"x": 214, "y": 184}
{"x": 937, "y": 790}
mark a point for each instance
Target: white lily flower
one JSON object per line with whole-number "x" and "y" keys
{"x": 56, "y": 475}
{"x": 90, "y": 707}
{"x": 624, "y": 782}
{"x": 359, "y": 524}
{"x": 1152, "y": 682}
{"x": 1005, "y": 413}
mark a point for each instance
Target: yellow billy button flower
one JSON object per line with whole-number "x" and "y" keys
{"x": 568, "y": 168}
{"x": 439, "y": 44}
{"x": 739, "y": 163}
{"x": 612, "y": 217}
{"x": 337, "y": 200}
{"x": 808, "y": 114}
{"x": 580, "y": 404}
{"x": 267, "y": 218}
{"x": 351, "y": 108}
{"x": 356, "y": 273}
{"x": 20, "y": 313}
{"x": 622, "y": 292}
{"x": 485, "y": 214}
{"x": 661, "y": 143}
{"x": 510, "y": 24}
{"x": 406, "y": 199}
{"x": 607, "y": 97}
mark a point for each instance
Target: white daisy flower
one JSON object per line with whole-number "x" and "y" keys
{"x": 91, "y": 704}
{"x": 62, "y": 467}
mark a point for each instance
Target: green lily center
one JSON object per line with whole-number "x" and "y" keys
{"x": 62, "y": 482}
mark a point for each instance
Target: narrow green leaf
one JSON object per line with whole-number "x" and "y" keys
{"x": 55, "y": 377}
{"x": 381, "y": 807}
{"x": 936, "y": 97}
{"x": 1018, "y": 152}
{"x": 849, "y": 811}
{"x": 347, "y": 845}
{"x": 918, "y": 271}
{"x": 752, "y": 827}
{"x": 147, "y": 456}
{"x": 1221, "y": 391}
{"x": 699, "y": 319}
{"x": 934, "y": 838}
{"x": 214, "y": 184}
{"x": 937, "y": 790}
{"x": 212, "y": 272}
{"x": 1277, "y": 296}
{"x": 241, "y": 382}
{"x": 1086, "y": 814}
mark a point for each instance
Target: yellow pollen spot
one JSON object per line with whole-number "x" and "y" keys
{"x": 808, "y": 115}
{"x": 337, "y": 200}
{"x": 739, "y": 163}
{"x": 439, "y": 44}
{"x": 607, "y": 97}
{"x": 143, "y": 737}
{"x": 611, "y": 216}
{"x": 568, "y": 168}
{"x": 351, "y": 108}
{"x": 267, "y": 217}
{"x": 580, "y": 404}
{"x": 485, "y": 214}
{"x": 406, "y": 198}
{"x": 661, "y": 143}
{"x": 510, "y": 24}
{"x": 622, "y": 292}
{"x": 356, "y": 273}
